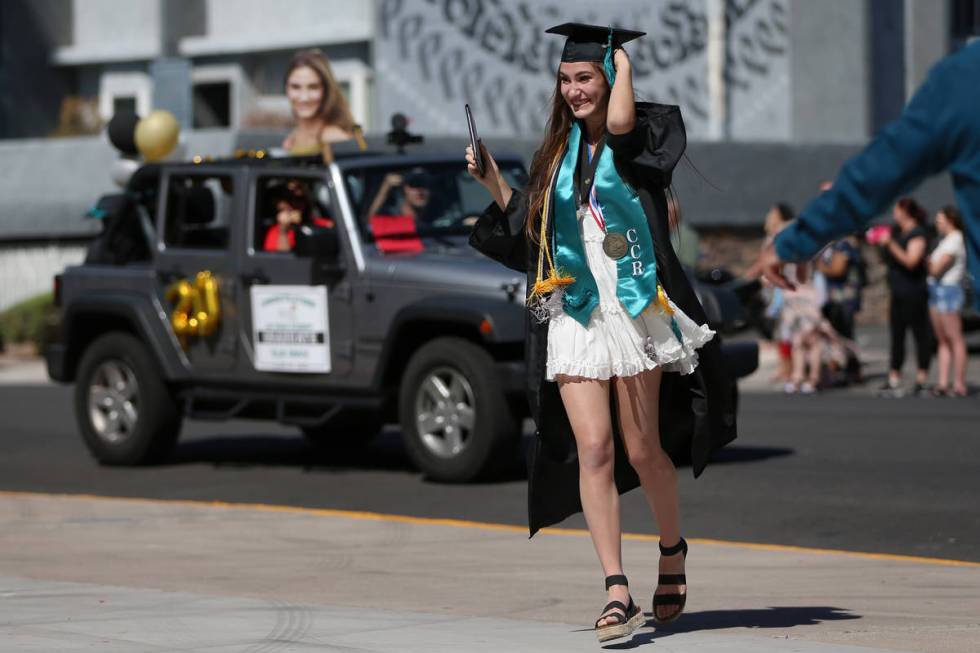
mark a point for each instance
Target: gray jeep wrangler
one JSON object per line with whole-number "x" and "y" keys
{"x": 369, "y": 308}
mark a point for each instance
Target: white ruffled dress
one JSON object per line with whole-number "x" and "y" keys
{"x": 615, "y": 344}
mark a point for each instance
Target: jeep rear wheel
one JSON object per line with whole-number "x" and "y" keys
{"x": 455, "y": 420}
{"x": 124, "y": 410}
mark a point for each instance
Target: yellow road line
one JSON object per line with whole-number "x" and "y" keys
{"x": 487, "y": 526}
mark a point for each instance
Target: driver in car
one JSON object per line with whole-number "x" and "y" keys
{"x": 397, "y": 231}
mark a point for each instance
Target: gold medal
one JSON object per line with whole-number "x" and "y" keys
{"x": 615, "y": 245}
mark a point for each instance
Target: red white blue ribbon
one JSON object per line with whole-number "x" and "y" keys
{"x": 596, "y": 210}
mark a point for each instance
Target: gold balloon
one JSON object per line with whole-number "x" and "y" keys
{"x": 197, "y": 308}
{"x": 156, "y": 135}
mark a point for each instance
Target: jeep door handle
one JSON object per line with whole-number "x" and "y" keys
{"x": 255, "y": 277}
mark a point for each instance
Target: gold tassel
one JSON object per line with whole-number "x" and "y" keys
{"x": 556, "y": 279}
{"x": 662, "y": 301}
{"x": 554, "y": 282}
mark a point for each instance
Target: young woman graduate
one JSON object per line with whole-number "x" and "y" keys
{"x": 610, "y": 310}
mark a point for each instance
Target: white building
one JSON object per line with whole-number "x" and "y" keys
{"x": 237, "y": 49}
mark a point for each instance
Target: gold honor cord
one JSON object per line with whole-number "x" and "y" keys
{"x": 556, "y": 279}
{"x": 662, "y": 301}
{"x": 196, "y": 307}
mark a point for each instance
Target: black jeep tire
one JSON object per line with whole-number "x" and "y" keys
{"x": 349, "y": 430}
{"x": 451, "y": 384}
{"x": 147, "y": 421}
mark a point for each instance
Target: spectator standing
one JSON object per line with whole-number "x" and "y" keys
{"x": 803, "y": 327}
{"x": 947, "y": 268}
{"x": 778, "y": 216}
{"x": 904, "y": 251}
{"x": 842, "y": 267}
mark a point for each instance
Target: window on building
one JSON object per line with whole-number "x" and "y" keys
{"x": 198, "y": 211}
{"x": 123, "y": 103}
{"x": 212, "y": 104}
{"x": 966, "y": 18}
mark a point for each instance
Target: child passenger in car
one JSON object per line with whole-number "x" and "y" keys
{"x": 292, "y": 209}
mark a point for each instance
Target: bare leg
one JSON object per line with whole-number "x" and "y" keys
{"x": 587, "y": 405}
{"x": 638, "y": 404}
{"x": 953, "y": 326}
{"x": 799, "y": 358}
{"x": 785, "y": 372}
{"x": 815, "y": 357}
{"x": 942, "y": 349}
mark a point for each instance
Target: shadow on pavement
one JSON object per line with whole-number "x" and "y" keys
{"x": 384, "y": 453}
{"x": 290, "y": 451}
{"x": 736, "y": 454}
{"x": 772, "y": 617}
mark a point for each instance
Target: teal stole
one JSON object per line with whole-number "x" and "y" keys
{"x": 636, "y": 271}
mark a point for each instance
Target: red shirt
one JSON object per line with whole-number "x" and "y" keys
{"x": 395, "y": 234}
{"x": 271, "y": 242}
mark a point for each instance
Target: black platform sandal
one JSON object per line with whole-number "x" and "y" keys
{"x": 628, "y": 618}
{"x": 677, "y": 599}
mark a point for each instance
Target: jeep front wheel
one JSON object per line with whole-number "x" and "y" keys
{"x": 455, "y": 420}
{"x": 124, "y": 409}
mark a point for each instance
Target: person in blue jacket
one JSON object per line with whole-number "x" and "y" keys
{"x": 938, "y": 130}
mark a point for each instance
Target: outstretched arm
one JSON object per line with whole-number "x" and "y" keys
{"x": 923, "y": 141}
{"x": 906, "y": 151}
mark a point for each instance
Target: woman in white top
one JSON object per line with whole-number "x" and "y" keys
{"x": 947, "y": 267}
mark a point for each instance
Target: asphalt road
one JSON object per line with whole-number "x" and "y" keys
{"x": 834, "y": 471}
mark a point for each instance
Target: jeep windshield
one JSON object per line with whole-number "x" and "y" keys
{"x": 396, "y": 207}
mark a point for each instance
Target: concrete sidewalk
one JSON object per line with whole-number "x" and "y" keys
{"x": 19, "y": 370}
{"x": 82, "y": 573}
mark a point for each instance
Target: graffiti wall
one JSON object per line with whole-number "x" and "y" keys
{"x": 757, "y": 70}
{"x": 432, "y": 56}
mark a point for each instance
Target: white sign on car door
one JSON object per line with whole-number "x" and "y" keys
{"x": 290, "y": 328}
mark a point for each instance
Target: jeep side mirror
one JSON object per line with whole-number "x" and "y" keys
{"x": 317, "y": 242}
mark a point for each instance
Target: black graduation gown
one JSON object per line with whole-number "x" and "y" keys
{"x": 697, "y": 411}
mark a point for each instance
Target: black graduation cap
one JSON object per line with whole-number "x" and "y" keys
{"x": 588, "y": 42}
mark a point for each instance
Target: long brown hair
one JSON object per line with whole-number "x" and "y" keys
{"x": 333, "y": 107}
{"x": 913, "y": 209}
{"x": 548, "y": 157}
{"x": 953, "y": 215}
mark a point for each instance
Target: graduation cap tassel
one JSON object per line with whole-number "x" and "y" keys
{"x": 607, "y": 59}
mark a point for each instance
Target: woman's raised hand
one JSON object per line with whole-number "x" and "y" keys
{"x": 492, "y": 180}
{"x": 491, "y": 173}
{"x": 621, "y": 60}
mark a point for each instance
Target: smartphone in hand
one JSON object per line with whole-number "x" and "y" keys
{"x": 475, "y": 142}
